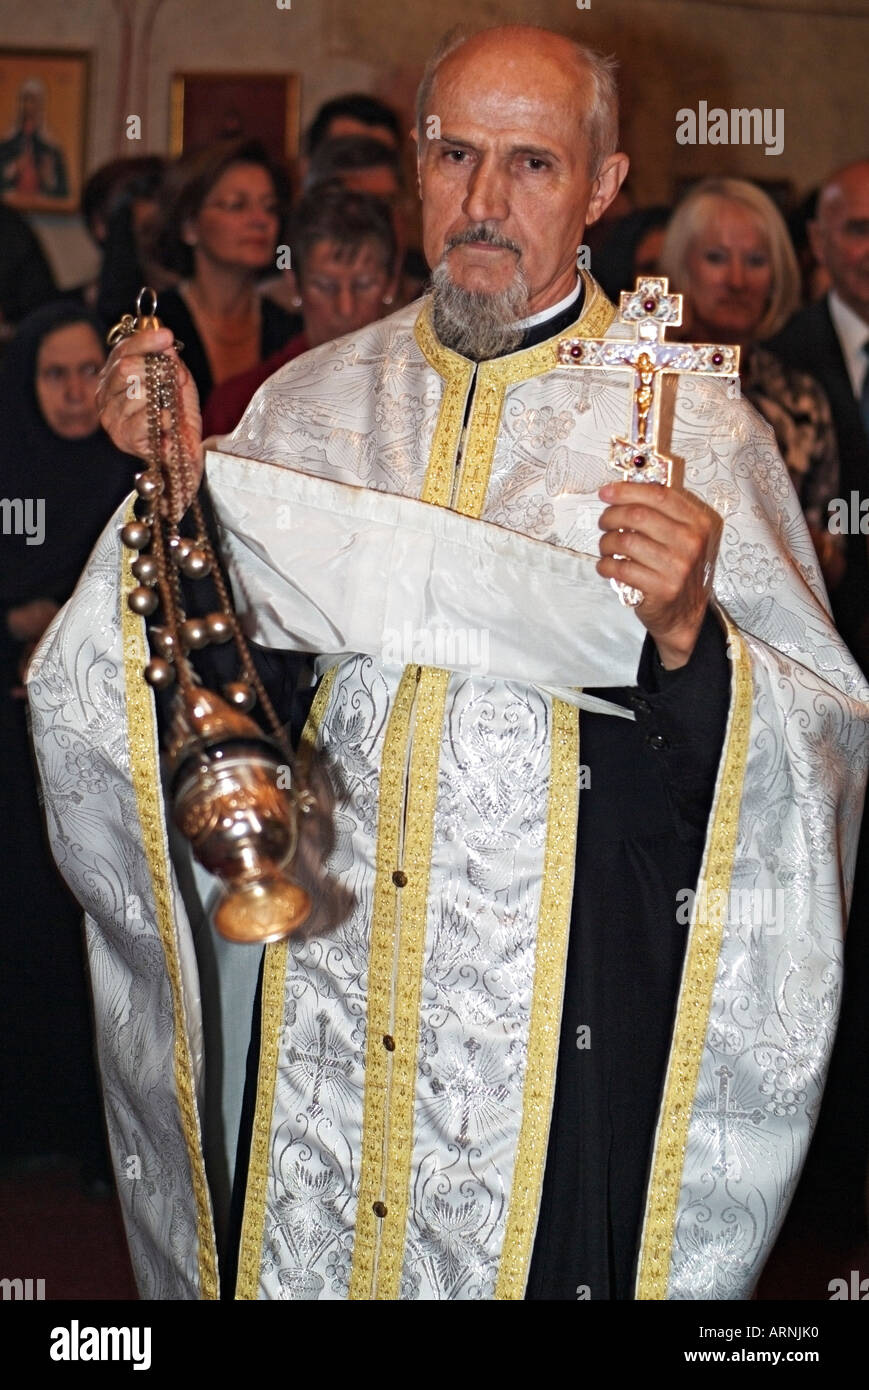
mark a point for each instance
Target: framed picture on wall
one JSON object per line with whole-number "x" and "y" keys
{"x": 43, "y": 116}
{"x": 210, "y": 106}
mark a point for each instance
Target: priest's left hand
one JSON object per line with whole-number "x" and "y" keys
{"x": 670, "y": 541}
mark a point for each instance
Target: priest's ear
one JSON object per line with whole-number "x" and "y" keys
{"x": 611, "y": 176}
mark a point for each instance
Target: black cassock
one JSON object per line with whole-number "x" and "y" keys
{"x": 642, "y": 827}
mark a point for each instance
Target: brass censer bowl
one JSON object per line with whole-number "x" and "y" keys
{"x": 228, "y": 800}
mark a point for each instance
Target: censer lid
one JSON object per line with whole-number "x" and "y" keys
{"x": 200, "y": 716}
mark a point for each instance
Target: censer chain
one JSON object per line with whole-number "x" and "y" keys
{"x": 175, "y": 481}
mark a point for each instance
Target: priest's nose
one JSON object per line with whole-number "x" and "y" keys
{"x": 486, "y": 199}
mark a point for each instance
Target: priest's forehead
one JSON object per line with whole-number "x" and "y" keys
{"x": 548, "y": 80}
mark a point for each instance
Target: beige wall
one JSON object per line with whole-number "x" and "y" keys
{"x": 810, "y": 59}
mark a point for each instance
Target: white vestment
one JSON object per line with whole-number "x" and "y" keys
{"x": 408, "y": 1054}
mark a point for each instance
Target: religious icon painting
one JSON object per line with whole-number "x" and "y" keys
{"x": 43, "y": 116}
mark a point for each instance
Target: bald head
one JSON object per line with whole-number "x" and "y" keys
{"x": 845, "y": 186}
{"x": 506, "y": 174}
{"x": 573, "y": 74}
{"x": 840, "y": 234}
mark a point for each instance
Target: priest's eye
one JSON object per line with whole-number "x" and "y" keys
{"x": 455, "y": 156}
{"x": 536, "y": 165}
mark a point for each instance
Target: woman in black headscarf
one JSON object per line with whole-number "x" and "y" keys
{"x": 60, "y": 479}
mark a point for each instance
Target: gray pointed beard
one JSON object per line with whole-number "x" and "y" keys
{"x": 476, "y": 324}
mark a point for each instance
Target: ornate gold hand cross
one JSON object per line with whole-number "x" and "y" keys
{"x": 650, "y": 310}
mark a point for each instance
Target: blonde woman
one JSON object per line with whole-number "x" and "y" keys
{"x": 727, "y": 251}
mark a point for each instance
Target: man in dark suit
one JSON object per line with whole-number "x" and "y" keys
{"x": 829, "y": 339}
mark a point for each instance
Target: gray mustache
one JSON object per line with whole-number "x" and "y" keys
{"x": 485, "y": 234}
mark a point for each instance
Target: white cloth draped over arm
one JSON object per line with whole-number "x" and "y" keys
{"x": 324, "y": 567}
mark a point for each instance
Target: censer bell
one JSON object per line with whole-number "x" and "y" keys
{"x": 227, "y": 776}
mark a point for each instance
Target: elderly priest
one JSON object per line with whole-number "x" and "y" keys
{"x": 567, "y": 1038}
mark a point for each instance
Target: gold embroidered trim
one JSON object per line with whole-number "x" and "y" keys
{"x": 695, "y": 995}
{"x": 457, "y": 373}
{"x": 493, "y": 381}
{"x": 380, "y": 966}
{"x": 482, "y": 437}
{"x": 413, "y": 913}
{"x": 271, "y": 1016}
{"x": 145, "y": 776}
{"x": 545, "y": 1024}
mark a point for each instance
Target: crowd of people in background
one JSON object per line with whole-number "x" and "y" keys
{"x": 248, "y": 279}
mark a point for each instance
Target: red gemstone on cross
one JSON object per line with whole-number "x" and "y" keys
{"x": 650, "y": 305}
{"x": 576, "y": 350}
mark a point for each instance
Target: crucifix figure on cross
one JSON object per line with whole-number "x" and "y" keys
{"x": 650, "y": 310}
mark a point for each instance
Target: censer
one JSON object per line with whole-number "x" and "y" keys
{"x": 226, "y": 775}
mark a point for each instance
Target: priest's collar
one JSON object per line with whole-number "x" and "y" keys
{"x": 586, "y": 312}
{"x": 555, "y": 319}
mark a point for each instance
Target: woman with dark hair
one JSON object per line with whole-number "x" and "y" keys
{"x": 61, "y": 478}
{"x": 220, "y": 228}
{"x": 344, "y": 268}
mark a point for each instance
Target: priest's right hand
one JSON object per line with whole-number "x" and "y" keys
{"x": 124, "y": 409}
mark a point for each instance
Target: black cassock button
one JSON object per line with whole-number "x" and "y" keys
{"x": 657, "y": 741}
